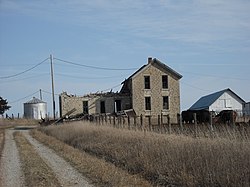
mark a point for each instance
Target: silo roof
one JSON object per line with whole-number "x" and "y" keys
{"x": 34, "y": 101}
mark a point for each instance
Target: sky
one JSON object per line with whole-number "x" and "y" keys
{"x": 208, "y": 42}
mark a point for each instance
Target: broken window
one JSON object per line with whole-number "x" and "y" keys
{"x": 85, "y": 107}
{"x": 165, "y": 102}
{"x": 118, "y": 106}
{"x": 103, "y": 110}
{"x": 147, "y": 82}
{"x": 147, "y": 103}
{"x": 164, "y": 81}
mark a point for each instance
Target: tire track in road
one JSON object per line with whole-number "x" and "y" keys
{"x": 10, "y": 166}
{"x": 65, "y": 173}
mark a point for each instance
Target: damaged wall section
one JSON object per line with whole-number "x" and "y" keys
{"x": 94, "y": 103}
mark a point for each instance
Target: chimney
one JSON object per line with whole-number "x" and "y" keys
{"x": 150, "y": 59}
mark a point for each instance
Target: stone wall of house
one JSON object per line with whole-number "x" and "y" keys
{"x": 69, "y": 102}
{"x": 156, "y": 92}
{"x": 110, "y": 103}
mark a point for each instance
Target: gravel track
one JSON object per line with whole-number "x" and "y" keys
{"x": 65, "y": 173}
{"x": 10, "y": 166}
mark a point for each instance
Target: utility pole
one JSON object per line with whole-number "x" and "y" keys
{"x": 41, "y": 98}
{"x": 52, "y": 84}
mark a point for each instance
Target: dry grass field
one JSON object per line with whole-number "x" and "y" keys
{"x": 100, "y": 172}
{"x": 14, "y": 122}
{"x": 164, "y": 159}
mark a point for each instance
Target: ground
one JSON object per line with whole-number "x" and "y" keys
{"x": 23, "y": 156}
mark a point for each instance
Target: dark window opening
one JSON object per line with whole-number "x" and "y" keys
{"x": 147, "y": 103}
{"x": 85, "y": 107}
{"x": 118, "y": 106}
{"x": 165, "y": 103}
{"x": 103, "y": 110}
{"x": 165, "y": 81}
{"x": 147, "y": 82}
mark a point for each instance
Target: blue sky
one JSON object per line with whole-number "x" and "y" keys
{"x": 208, "y": 42}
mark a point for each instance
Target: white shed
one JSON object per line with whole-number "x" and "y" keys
{"x": 218, "y": 101}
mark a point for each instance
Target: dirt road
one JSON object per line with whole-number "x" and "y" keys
{"x": 11, "y": 168}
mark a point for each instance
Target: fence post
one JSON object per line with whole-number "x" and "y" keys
{"x": 149, "y": 123}
{"x": 123, "y": 121}
{"x": 162, "y": 127}
{"x": 211, "y": 121}
{"x": 110, "y": 120}
{"x": 232, "y": 119}
{"x": 114, "y": 121}
{"x": 105, "y": 118}
{"x": 135, "y": 122}
{"x": 128, "y": 122}
{"x": 141, "y": 119}
{"x": 195, "y": 124}
{"x": 159, "y": 123}
{"x": 169, "y": 124}
{"x": 180, "y": 121}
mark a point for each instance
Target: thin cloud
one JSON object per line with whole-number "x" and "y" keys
{"x": 193, "y": 21}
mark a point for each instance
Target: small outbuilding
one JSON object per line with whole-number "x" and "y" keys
{"x": 35, "y": 109}
{"x": 222, "y": 100}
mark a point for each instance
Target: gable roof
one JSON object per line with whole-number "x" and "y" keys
{"x": 160, "y": 64}
{"x": 206, "y": 101}
{"x": 167, "y": 68}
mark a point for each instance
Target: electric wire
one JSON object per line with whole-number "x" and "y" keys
{"x": 215, "y": 76}
{"x": 94, "y": 67}
{"x": 47, "y": 92}
{"x": 26, "y": 78}
{"x": 195, "y": 87}
{"x": 10, "y": 76}
{"x": 79, "y": 77}
{"x": 24, "y": 97}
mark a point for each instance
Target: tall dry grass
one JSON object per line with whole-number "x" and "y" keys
{"x": 5, "y": 123}
{"x": 163, "y": 159}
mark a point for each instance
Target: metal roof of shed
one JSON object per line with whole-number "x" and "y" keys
{"x": 34, "y": 101}
{"x": 208, "y": 100}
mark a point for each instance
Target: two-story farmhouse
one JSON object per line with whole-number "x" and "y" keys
{"x": 152, "y": 90}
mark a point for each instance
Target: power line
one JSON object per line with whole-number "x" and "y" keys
{"x": 31, "y": 77}
{"x": 78, "y": 77}
{"x": 10, "y": 76}
{"x": 196, "y": 87}
{"x": 47, "y": 92}
{"x": 222, "y": 77}
{"x": 94, "y": 67}
{"x": 24, "y": 97}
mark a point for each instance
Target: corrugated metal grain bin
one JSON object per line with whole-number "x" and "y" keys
{"x": 35, "y": 109}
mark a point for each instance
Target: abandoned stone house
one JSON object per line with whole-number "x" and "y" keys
{"x": 151, "y": 91}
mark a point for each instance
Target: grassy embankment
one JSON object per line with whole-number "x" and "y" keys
{"x": 163, "y": 159}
